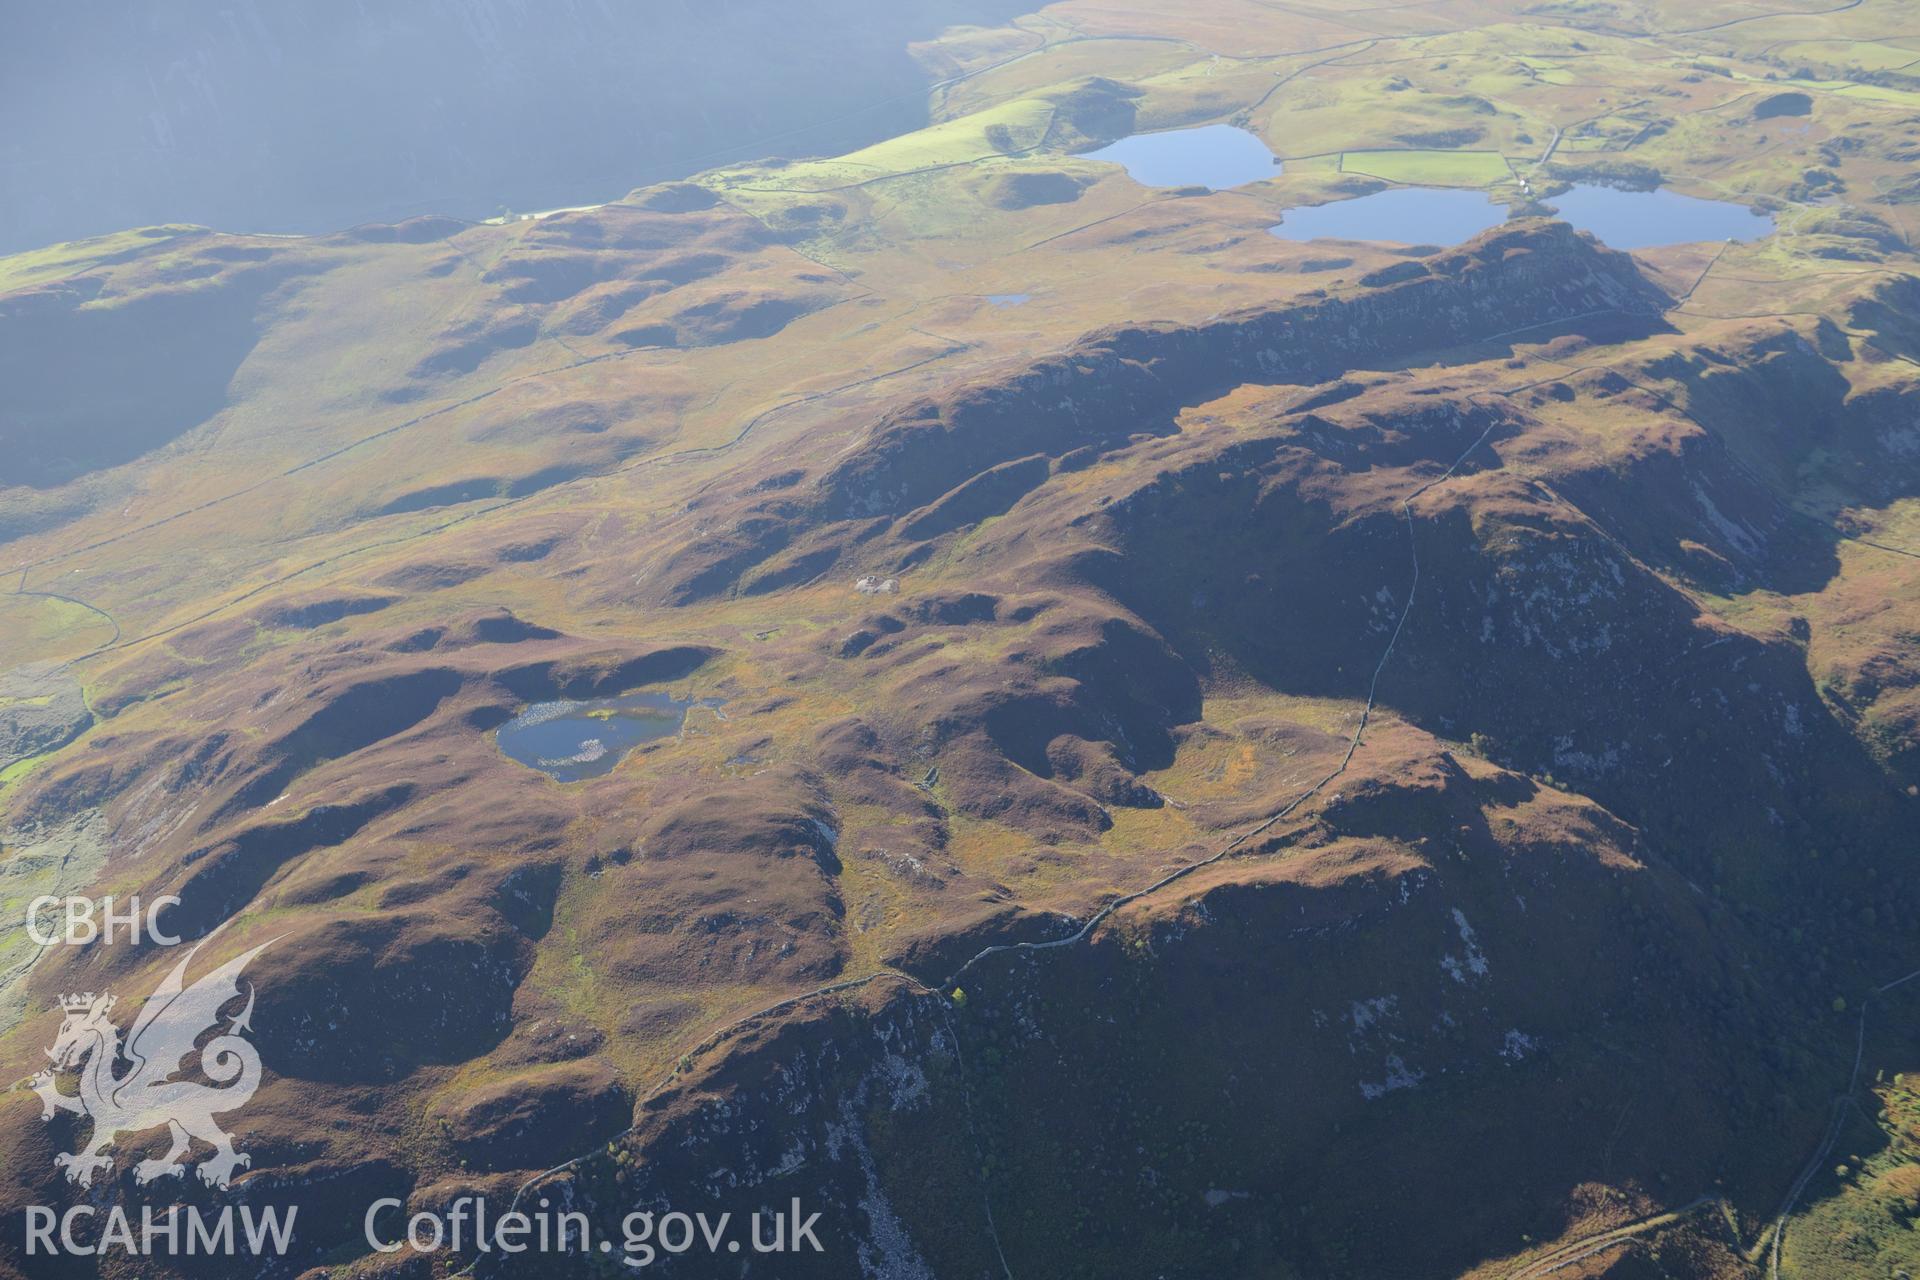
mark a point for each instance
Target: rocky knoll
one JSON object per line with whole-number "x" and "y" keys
{"x": 972, "y": 452}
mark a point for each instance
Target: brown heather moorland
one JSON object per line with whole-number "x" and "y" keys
{"x": 1201, "y": 754}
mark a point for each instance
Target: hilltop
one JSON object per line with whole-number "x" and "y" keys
{"x": 1167, "y": 750}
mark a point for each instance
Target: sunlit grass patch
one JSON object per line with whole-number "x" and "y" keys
{"x": 1852, "y": 90}
{"x": 1860, "y": 1211}
{"x": 1430, "y": 168}
{"x": 1868, "y": 55}
{"x": 40, "y": 627}
{"x": 1547, "y": 70}
{"x": 60, "y": 260}
{"x": 1012, "y": 128}
{"x": 1325, "y": 163}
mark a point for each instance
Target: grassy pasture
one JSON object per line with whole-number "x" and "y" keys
{"x": 1868, "y": 55}
{"x": 1854, "y": 91}
{"x": 1009, "y": 129}
{"x": 1859, "y": 1213}
{"x": 39, "y": 629}
{"x": 58, "y": 261}
{"x": 1430, "y": 168}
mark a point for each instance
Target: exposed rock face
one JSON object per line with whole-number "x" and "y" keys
{"x": 1531, "y": 597}
{"x": 1261, "y": 1042}
{"x": 41, "y": 708}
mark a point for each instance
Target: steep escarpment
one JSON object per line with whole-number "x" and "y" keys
{"x": 1556, "y": 629}
{"x": 1320, "y": 1040}
{"x": 1313, "y": 1046}
{"x": 974, "y": 452}
{"x": 1538, "y": 633}
{"x": 1119, "y": 382}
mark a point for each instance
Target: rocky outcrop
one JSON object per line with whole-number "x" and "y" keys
{"x": 41, "y": 708}
{"x": 1316, "y": 1047}
{"x": 1122, "y": 381}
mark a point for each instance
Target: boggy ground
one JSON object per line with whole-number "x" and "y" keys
{"x": 1010, "y": 611}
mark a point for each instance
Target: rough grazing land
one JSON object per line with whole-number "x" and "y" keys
{"x": 1209, "y": 756}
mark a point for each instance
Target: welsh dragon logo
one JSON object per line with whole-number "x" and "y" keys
{"x": 148, "y": 1095}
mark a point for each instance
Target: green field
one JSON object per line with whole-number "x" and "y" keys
{"x": 1013, "y": 128}
{"x": 1430, "y": 168}
{"x": 1868, "y": 55}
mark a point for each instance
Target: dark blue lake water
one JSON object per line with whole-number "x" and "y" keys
{"x": 1641, "y": 219}
{"x": 574, "y": 740}
{"x": 1215, "y": 155}
{"x": 1431, "y": 215}
{"x": 1403, "y": 215}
